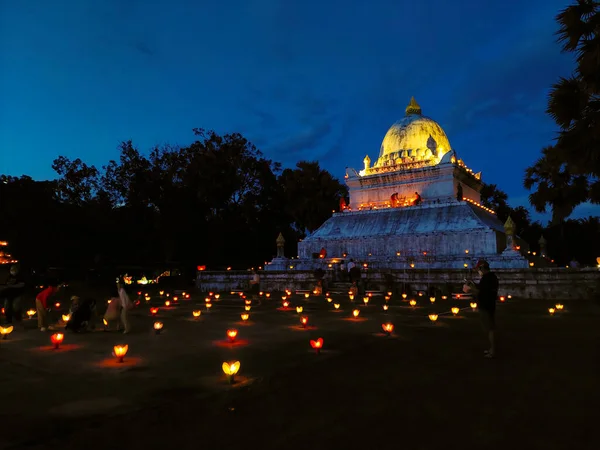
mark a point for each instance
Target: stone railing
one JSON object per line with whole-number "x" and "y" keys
{"x": 550, "y": 283}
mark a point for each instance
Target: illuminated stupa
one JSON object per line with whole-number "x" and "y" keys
{"x": 418, "y": 205}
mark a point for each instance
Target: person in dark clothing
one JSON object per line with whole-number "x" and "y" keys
{"x": 486, "y": 292}
{"x": 417, "y": 200}
{"x": 254, "y": 284}
{"x": 81, "y": 315}
{"x": 459, "y": 192}
{"x": 11, "y": 293}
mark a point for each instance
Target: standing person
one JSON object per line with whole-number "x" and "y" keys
{"x": 126, "y": 305}
{"x": 12, "y": 293}
{"x": 254, "y": 284}
{"x": 113, "y": 313}
{"x": 459, "y": 192}
{"x": 351, "y": 265}
{"x": 343, "y": 271}
{"x": 41, "y": 304}
{"x": 486, "y": 292}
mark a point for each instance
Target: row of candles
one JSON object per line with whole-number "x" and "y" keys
{"x": 231, "y": 368}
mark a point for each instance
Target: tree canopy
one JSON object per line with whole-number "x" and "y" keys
{"x": 568, "y": 172}
{"x": 218, "y": 202}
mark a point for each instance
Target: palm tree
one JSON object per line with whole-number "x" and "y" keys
{"x": 555, "y": 186}
{"x": 568, "y": 173}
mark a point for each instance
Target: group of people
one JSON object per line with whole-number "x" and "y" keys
{"x": 397, "y": 201}
{"x": 81, "y": 311}
{"x": 11, "y": 294}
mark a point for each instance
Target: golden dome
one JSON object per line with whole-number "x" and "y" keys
{"x": 413, "y": 139}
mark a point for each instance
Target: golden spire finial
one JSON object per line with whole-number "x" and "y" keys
{"x": 413, "y": 107}
{"x": 509, "y": 226}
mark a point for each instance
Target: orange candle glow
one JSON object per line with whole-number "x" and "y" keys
{"x": 356, "y": 313}
{"x": 387, "y": 328}
{"x": 231, "y": 369}
{"x": 5, "y": 331}
{"x": 231, "y": 334}
{"x": 57, "y": 339}
{"x": 303, "y": 321}
{"x": 120, "y": 351}
{"x": 317, "y": 344}
{"x": 245, "y": 316}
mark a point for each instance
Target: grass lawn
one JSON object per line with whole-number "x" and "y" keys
{"x": 426, "y": 386}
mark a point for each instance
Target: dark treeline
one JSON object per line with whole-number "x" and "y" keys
{"x": 566, "y": 240}
{"x": 217, "y": 202}
{"x": 567, "y": 173}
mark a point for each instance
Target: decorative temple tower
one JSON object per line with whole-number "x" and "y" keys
{"x": 417, "y": 205}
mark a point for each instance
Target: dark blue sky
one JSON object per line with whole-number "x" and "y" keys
{"x": 305, "y": 79}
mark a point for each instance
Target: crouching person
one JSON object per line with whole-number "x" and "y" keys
{"x": 113, "y": 313}
{"x": 41, "y": 304}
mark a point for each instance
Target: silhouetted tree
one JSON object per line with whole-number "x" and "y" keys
{"x": 568, "y": 173}
{"x": 555, "y": 186}
{"x": 310, "y": 194}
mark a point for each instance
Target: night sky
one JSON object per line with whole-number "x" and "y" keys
{"x": 317, "y": 80}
